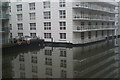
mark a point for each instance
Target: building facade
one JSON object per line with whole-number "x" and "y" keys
{"x": 70, "y": 21}
{"x": 118, "y": 18}
{"x": 4, "y": 21}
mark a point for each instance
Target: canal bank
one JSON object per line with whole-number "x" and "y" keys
{"x": 43, "y": 43}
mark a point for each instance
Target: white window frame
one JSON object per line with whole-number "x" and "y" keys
{"x": 20, "y": 26}
{"x": 62, "y": 25}
{"x": 19, "y": 7}
{"x": 32, "y": 16}
{"x": 62, "y": 35}
{"x": 19, "y": 17}
{"x": 62, "y": 13}
{"x": 62, "y": 3}
{"x": 47, "y": 25}
{"x": 32, "y": 6}
{"x": 47, "y": 35}
{"x": 32, "y": 26}
{"x": 46, "y": 4}
{"x": 47, "y": 15}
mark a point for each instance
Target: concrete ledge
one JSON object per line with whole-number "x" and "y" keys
{"x": 52, "y": 44}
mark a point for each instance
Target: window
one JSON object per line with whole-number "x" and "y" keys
{"x": 21, "y": 57}
{"x": 108, "y": 33}
{"x": 32, "y": 6}
{"x": 102, "y": 25}
{"x": 32, "y": 16}
{"x": 63, "y": 63}
{"x": 82, "y": 35}
{"x": 102, "y": 33}
{"x": 47, "y": 25}
{"x": 107, "y": 24}
{"x": 48, "y": 52}
{"x": 22, "y": 67}
{"x": 34, "y": 69}
{"x": 63, "y": 74}
{"x": 62, "y": 25}
{"x": 89, "y": 35}
{"x": 33, "y": 34}
{"x": 19, "y": 17}
{"x": 113, "y": 24}
{"x": 20, "y": 26}
{"x": 20, "y": 34}
{"x": 9, "y": 8}
{"x": 10, "y": 26}
{"x": 49, "y": 71}
{"x": 10, "y": 35}
{"x": 32, "y": 26}
{"x": 19, "y": 7}
{"x": 62, "y": 35}
{"x": 46, "y": 4}
{"x": 62, "y": 13}
{"x": 48, "y": 61}
{"x": 47, "y": 35}
{"x": 63, "y": 53}
{"x": 82, "y": 25}
{"x": 96, "y": 34}
{"x": 89, "y": 25}
{"x": 47, "y": 15}
{"x": 62, "y": 3}
{"x": 34, "y": 59}
{"x": 96, "y": 23}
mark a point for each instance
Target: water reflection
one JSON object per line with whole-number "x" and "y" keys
{"x": 93, "y": 61}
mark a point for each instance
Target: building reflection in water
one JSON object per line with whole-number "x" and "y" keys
{"x": 93, "y": 61}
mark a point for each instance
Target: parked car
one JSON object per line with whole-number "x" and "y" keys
{"x": 27, "y": 38}
{"x": 19, "y": 38}
{"x": 35, "y": 38}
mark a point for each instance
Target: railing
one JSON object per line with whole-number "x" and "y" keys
{"x": 89, "y": 28}
{"x": 4, "y": 4}
{"x": 92, "y": 6}
{"x": 4, "y": 16}
{"x": 5, "y": 29}
{"x": 94, "y": 18}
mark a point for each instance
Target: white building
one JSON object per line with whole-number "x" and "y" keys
{"x": 71, "y": 21}
{"x": 118, "y": 18}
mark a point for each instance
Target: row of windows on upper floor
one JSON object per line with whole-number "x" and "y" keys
{"x": 46, "y": 4}
{"x": 47, "y": 26}
{"x": 62, "y": 25}
{"x": 64, "y": 35}
{"x": 46, "y": 35}
{"x": 46, "y": 15}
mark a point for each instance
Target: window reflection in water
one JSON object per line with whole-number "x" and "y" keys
{"x": 48, "y": 61}
{"x": 21, "y": 57}
{"x": 91, "y": 61}
{"x": 22, "y": 74}
{"x": 49, "y": 71}
{"x": 63, "y": 63}
{"x": 34, "y": 59}
{"x": 22, "y": 67}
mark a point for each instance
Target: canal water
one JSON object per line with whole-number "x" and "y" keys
{"x": 100, "y": 60}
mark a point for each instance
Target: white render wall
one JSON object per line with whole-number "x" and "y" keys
{"x": 39, "y": 20}
{"x": 71, "y": 37}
